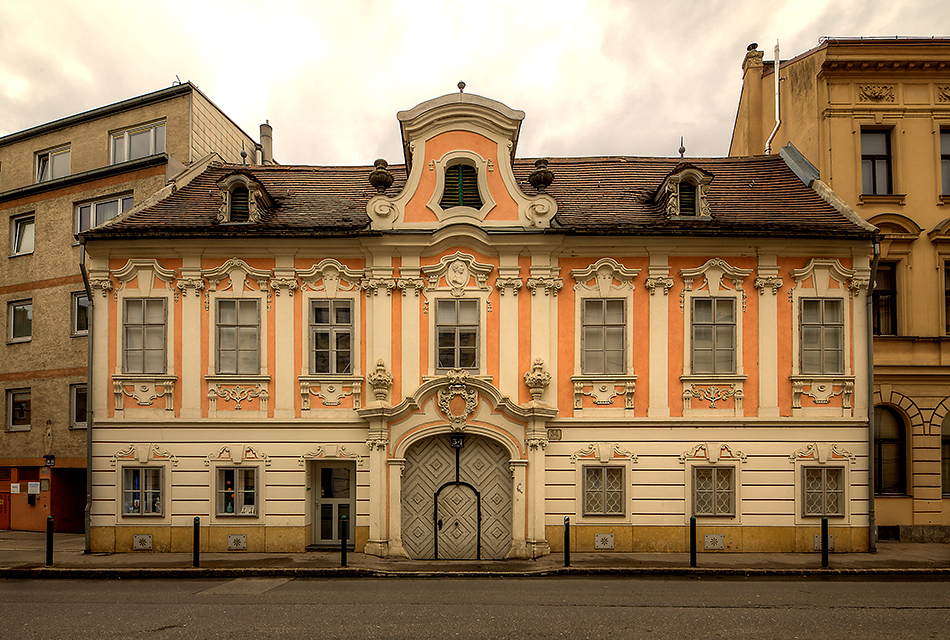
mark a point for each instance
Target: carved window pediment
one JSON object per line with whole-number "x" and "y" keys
{"x": 330, "y": 276}
{"x": 243, "y": 199}
{"x": 457, "y": 273}
{"x": 604, "y": 276}
{"x": 144, "y": 273}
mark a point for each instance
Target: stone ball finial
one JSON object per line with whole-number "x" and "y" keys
{"x": 542, "y": 177}
{"x": 461, "y": 86}
{"x": 752, "y": 47}
{"x": 380, "y": 177}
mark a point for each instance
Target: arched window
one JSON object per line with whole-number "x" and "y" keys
{"x": 461, "y": 187}
{"x": 945, "y": 455}
{"x": 240, "y": 209}
{"x": 890, "y": 452}
{"x": 687, "y": 198}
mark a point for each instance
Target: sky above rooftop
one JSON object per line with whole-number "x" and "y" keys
{"x": 595, "y": 77}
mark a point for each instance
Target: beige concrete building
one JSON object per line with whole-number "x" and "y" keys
{"x": 57, "y": 180}
{"x": 873, "y": 116}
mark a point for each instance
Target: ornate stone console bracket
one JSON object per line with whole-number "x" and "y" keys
{"x": 238, "y": 394}
{"x": 144, "y": 390}
{"x": 331, "y": 391}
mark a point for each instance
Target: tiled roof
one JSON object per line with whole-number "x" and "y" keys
{"x": 757, "y": 195}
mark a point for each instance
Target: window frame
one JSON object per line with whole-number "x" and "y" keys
{"x": 334, "y": 329}
{"x": 11, "y": 323}
{"x": 129, "y": 471}
{"x": 11, "y": 400}
{"x": 882, "y": 297}
{"x": 123, "y": 202}
{"x": 439, "y": 327}
{"x": 218, "y": 326}
{"x": 586, "y": 511}
{"x": 945, "y": 456}
{"x": 622, "y": 326}
{"x": 734, "y": 490}
{"x": 124, "y": 137}
{"x": 822, "y": 325}
{"x": 40, "y": 167}
{"x": 19, "y": 224}
{"x": 220, "y": 491}
{"x": 901, "y": 442}
{"x": 715, "y": 325}
{"x": 887, "y": 158}
{"x": 76, "y": 331}
{"x": 824, "y": 491}
{"x": 944, "y": 144}
{"x": 464, "y": 183}
{"x": 74, "y": 392}
{"x": 126, "y": 325}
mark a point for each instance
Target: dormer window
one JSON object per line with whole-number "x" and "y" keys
{"x": 687, "y": 199}
{"x": 240, "y": 204}
{"x": 242, "y": 199}
{"x": 461, "y": 187}
{"x": 684, "y": 192}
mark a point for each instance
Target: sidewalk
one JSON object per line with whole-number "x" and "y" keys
{"x": 23, "y": 555}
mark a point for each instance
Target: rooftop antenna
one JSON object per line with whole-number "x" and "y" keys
{"x": 682, "y": 148}
{"x": 177, "y": 81}
{"x": 461, "y": 86}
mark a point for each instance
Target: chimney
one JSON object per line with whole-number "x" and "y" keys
{"x": 267, "y": 143}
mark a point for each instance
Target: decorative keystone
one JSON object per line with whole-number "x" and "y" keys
{"x": 381, "y": 381}
{"x": 537, "y": 379}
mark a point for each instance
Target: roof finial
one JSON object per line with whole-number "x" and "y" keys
{"x": 682, "y": 148}
{"x": 243, "y": 154}
{"x": 461, "y": 86}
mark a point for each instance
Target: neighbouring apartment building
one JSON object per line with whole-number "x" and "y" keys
{"x": 873, "y": 116}
{"x": 57, "y": 180}
{"x": 458, "y": 352}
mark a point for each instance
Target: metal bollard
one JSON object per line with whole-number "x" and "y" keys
{"x": 49, "y": 541}
{"x": 196, "y": 545}
{"x": 567, "y": 541}
{"x": 343, "y": 536}
{"x": 692, "y": 541}
{"x": 824, "y": 543}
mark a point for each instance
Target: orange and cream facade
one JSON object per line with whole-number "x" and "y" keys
{"x": 470, "y": 347}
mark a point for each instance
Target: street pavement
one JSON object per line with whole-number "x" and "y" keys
{"x": 23, "y": 555}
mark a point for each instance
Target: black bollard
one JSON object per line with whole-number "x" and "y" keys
{"x": 567, "y": 541}
{"x": 343, "y": 535}
{"x": 49, "y": 541}
{"x": 195, "y": 545}
{"x": 824, "y": 543}
{"x": 692, "y": 541}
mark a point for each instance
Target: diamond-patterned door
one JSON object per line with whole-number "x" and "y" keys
{"x": 457, "y": 523}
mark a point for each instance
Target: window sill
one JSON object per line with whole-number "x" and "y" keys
{"x": 230, "y": 378}
{"x": 18, "y": 429}
{"x": 79, "y": 334}
{"x": 143, "y": 515}
{"x": 20, "y": 340}
{"x": 236, "y": 515}
{"x": 944, "y": 199}
{"x": 20, "y": 255}
{"x": 78, "y": 427}
{"x": 881, "y": 198}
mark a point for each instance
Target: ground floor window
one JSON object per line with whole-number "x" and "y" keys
{"x": 714, "y": 491}
{"x": 824, "y": 491}
{"x": 142, "y": 491}
{"x": 237, "y": 492}
{"x": 603, "y": 491}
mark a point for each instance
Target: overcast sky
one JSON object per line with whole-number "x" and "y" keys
{"x": 595, "y": 77}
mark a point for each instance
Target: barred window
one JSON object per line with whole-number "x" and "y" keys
{"x": 603, "y": 491}
{"x": 824, "y": 491}
{"x": 714, "y": 491}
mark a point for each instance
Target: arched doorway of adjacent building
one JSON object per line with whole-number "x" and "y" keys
{"x": 457, "y": 498}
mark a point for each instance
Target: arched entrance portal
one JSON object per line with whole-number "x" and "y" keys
{"x": 457, "y": 485}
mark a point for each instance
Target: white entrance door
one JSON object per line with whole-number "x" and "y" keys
{"x": 335, "y": 497}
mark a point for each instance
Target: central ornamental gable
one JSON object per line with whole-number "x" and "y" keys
{"x": 459, "y": 151}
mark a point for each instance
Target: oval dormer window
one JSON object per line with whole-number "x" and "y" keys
{"x": 461, "y": 187}
{"x": 687, "y": 199}
{"x": 240, "y": 205}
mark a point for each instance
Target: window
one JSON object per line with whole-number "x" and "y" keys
{"x": 80, "y": 314}
{"x": 92, "y": 214}
{"x": 603, "y": 491}
{"x": 687, "y": 194}
{"x": 138, "y": 143}
{"x": 238, "y": 337}
{"x": 240, "y": 205}
{"x": 21, "y": 321}
{"x": 142, "y": 491}
{"x": 604, "y": 324}
{"x": 876, "y": 162}
{"x": 77, "y": 406}
{"x": 24, "y": 230}
{"x": 144, "y": 335}
{"x": 945, "y": 455}
{"x": 946, "y": 295}
{"x": 822, "y": 340}
{"x": 823, "y": 491}
{"x": 714, "y": 491}
{"x": 461, "y": 187}
{"x": 237, "y": 492}
{"x": 331, "y": 336}
{"x": 457, "y": 334}
{"x": 19, "y": 409}
{"x": 945, "y": 161}
{"x": 889, "y": 452}
{"x": 52, "y": 164}
{"x": 714, "y": 336}
{"x": 885, "y": 300}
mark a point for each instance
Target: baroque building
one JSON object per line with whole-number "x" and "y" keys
{"x": 459, "y": 352}
{"x": 57, "y": 180}
{"x": 872, "y": 116}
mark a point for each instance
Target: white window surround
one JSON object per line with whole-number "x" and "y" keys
{"x": 698, "y": 179}
{"x": 822, "y": 455}
{"x": 828, "y": 279}
{"x": 604, "y": 279}
{"x": 330, "y": 280}
{"x": 137, "y": 142}
{"x": 144, "y": 456}
{"x": 603, "y": 454}
{"x": 257, "y": 197}
{"x": 22, "y": 234}
{"x": 713, "y": 455}
{"x": 237, "y": 457}
{"x": 94, "y": 212}
{"x": 460, "y": 214}
{"x": 52, "y": 164}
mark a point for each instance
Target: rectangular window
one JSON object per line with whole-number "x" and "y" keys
{"x": 823, "y": 491}
{"x": 237, "y": 492}
{"x": 238, "y": 337}
{"x": 24, "y": 232}
{"x": 21, "y": 321}
{"x": 714, "y": 336}
{"x": 144, "y": 336}
{"x": 80, "y": 314}
{"x": 19, "y": 409}
{"x": 140, "y": 142}
{"x": 331, "y": 336}
{"x": 714, "y": 491}
{"x": 885, "y": 300}
{"x": 457, "y": 334}
{"x": 142, "y": 491}
{"x": 77, "y": 406}
{"x": 945, "y": 161}
{"x": 52, "y": 164}
{"x": 876, "y": 162}
{"x": 92, "y": 214}
{"x": 603, "y": 491}
{"x": 946, "y": 296}
{"x": 822, "y": 336}
{"x": 604, "y": 324}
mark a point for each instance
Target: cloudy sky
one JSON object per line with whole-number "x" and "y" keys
{"x": 595, "y": 77}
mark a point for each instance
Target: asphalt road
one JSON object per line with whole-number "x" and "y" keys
{"x": 627, "y": 608}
